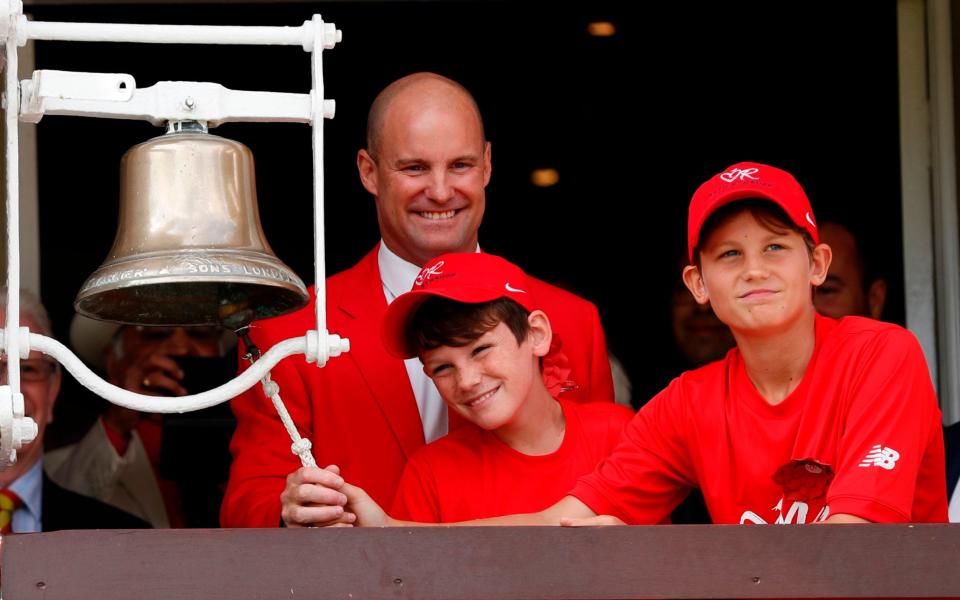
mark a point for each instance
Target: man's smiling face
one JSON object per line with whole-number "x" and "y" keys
{"x": 429, "y": 174}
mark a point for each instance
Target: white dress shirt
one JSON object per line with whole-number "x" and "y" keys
{"x": 397, "y": 276}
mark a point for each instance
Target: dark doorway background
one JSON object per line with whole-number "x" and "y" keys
{"x": 632, "y": 123}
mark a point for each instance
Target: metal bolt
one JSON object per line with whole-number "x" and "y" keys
{"x": 755, "y": 579}
{"x": 329, "y": 108}
{"x": 41, "y": 585}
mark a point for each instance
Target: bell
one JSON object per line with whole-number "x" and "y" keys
{"x": 189, "y": 248}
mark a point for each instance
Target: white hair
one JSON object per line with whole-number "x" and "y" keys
{"x": 31, "y": 307}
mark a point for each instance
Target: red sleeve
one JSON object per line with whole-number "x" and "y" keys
{"x": 620, "y": 418}
{"x": 417, "y": 498}
{"x": 261, "y": 446}
{"x": 649, "y": 472}
{"x": 890, "y": 445}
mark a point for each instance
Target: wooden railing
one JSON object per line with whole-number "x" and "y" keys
{"x": 841, "y": 561}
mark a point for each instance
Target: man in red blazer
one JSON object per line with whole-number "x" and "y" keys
{"x": 427, "y": 164}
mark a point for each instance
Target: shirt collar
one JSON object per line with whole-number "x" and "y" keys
{"x": 396, "y": 274}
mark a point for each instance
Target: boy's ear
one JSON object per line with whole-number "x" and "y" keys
{"x": 694, "y": 282}
{"x": 541, "y": 333}
{"x": 820, "y": 260}
{"x": 877, "y": 298}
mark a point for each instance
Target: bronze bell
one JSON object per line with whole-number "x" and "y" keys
{"x": 189, "y": 248}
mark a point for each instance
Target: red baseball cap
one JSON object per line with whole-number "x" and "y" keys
{"x": 749, "y": 180}
{"x": 471, "y": 277}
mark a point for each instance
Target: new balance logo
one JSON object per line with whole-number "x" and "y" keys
{"x": 881, "y": 456}
{"x": 741, "y": 174}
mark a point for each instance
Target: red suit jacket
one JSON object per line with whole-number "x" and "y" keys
{"x": 359, "y": 411}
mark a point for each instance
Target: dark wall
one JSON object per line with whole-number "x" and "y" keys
{"x": 633, "y": 123}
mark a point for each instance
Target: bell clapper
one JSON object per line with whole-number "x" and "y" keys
{"x": 251, "y": 351}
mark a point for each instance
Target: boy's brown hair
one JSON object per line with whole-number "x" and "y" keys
{"x": 443, "y": 322}
{"x": 768, "y": 215}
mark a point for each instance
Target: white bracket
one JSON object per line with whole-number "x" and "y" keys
{"x": 324, "y": 346}
{"x": 116, "y": 95}
{"x": 16, "y": 430}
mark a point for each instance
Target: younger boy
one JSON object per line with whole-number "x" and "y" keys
{"x": 474, "y": 322}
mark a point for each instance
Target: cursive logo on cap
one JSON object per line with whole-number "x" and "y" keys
{"x": 741, "y": 174}
{"x": 429, "y": 273}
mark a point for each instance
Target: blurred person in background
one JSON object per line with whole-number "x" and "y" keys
{"x": 169, "y": 470}
{"x": 29, "y": 500}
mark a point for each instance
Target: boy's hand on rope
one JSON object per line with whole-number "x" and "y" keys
{"x": 366, "y": 511}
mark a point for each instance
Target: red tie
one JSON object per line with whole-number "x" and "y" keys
{"x": 9, "y": 503}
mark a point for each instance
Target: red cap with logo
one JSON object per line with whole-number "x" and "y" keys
{"x": 471, "y": 277}
{"x": 749, "y": 180}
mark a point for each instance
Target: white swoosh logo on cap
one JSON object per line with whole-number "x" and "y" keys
{"x": 810, "y": 219}
{"x": 513, "y": 289}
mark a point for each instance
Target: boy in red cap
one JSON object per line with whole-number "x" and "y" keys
{"x": 475, "y": 324}
{"x": 808, "y": 419}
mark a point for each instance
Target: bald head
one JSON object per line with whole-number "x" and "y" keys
{"x": 416, "y": 90}
{"x": 427, "y": 166}
{"x": 852, "y": 286}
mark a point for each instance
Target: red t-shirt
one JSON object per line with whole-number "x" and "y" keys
{"x": 860, "y": 435}
{"x": 471, "y": 474}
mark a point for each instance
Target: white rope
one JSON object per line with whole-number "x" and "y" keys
{"x": 301, "y": 446}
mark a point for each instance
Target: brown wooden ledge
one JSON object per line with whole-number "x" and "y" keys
{"x": 844, "y": 561}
